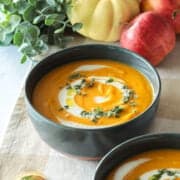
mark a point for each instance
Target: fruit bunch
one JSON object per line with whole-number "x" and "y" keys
{"x": 146, "y": 27}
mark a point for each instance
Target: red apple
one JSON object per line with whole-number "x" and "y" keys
{"x": 173, "y": 17}
{"x": 149, "y": 35}
{"x": 176, "y": 22}
{"x": 167, "y": 7}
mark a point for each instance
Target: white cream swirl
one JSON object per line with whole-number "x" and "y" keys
{"x": 66, "y": 96}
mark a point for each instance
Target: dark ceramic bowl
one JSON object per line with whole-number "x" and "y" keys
{"x": 90, "y": 143}
{"x": 133, "y": 147}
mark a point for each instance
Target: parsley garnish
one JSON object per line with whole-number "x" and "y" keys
{"x": 66, "y": 107}
{"x": 83, "y": 83}
{"x": 90, "y": 83}
{"x": 98, "y": 113}
{"x": 110, "y": 80}
{"x": 75, "y": 76}
{"x": 162, "y": 172}
{"x": 128, "y": 94}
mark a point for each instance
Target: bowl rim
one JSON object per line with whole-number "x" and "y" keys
{"x": 66, "y": 50}
{"x": 129, "y": 141}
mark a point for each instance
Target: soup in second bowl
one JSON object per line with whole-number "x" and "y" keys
{"x": 161, "y": 164}
{"x": 92, "y": 93}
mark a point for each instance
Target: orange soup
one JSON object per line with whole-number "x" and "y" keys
{"x": 152, "y": 165}
{"x": 92, "y": 93}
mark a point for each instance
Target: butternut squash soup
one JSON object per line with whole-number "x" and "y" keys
{"x": 152, "y": 165}
{"x": 92, "y": 93}
{"x": 31, "y": 176}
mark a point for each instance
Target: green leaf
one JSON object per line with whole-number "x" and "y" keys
{"x": 38, "y": 19}
{"x": 14, "y": 20}
{"x": 9, "y": 23}
{"x": 33, "y": 31}
{"x": 40, "y": 46}
{"x": 23, "y": 60}
{"x": 32, "y": 2}
{"x": 6, "y": 2}
{"x": 61, "y": 17}
{"x": 10, "y": 8}
{"x": 29, "y": 14}
{"x": 60, "y": 30}
{"x": 30, "y": 32}
{"x": 51, "y": 19}
{"x": 51, "y": 2}
{"x": 18, "y": 38}
{"x": 5, "y": 39}
{"x": 47, "y": 10}
{"x": 59, "y": 8}
{"x": 77, "y": 26}
{"x": 21, "y": 6}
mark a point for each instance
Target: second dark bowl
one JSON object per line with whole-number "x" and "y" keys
{"x": 135, "y": 146}
{"x": 90, "y": 143}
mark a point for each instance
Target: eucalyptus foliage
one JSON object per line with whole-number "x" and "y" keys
{"x": 32, "y": 25}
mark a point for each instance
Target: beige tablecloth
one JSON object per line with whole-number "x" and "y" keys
{"x": 23, "y": 150}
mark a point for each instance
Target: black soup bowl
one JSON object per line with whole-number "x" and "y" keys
{"x": 83, "y": 142}
{"x": 135, "y": 146}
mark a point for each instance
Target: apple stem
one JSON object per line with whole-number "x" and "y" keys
{"x": 175, "y": 13}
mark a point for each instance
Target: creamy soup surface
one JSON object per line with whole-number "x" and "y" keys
{"x": 152, "y": 165}
{"x": 92, "y": 93}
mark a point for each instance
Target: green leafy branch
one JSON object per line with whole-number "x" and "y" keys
{"x": 32, "y": 25}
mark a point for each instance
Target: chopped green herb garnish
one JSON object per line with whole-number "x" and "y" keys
{"x": 93, "y": 115}
{"x": 83, "y": 83}
{"x": 161, "y": 172}
{"x": 98, "y": 113}
{"x": 77, "y": 86}
{"x": 115, "y": 111}
{"x": 84, "y": 113}
{"x": 110, "y": 80}
{"x": 125, "y": 87}
{"x": 69, "y": 86}
{"x": 66, "y": 107}
{"x": 128, "y": 94}
{"x": 75, "y": 76}
{"x": 90, "y": 83}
